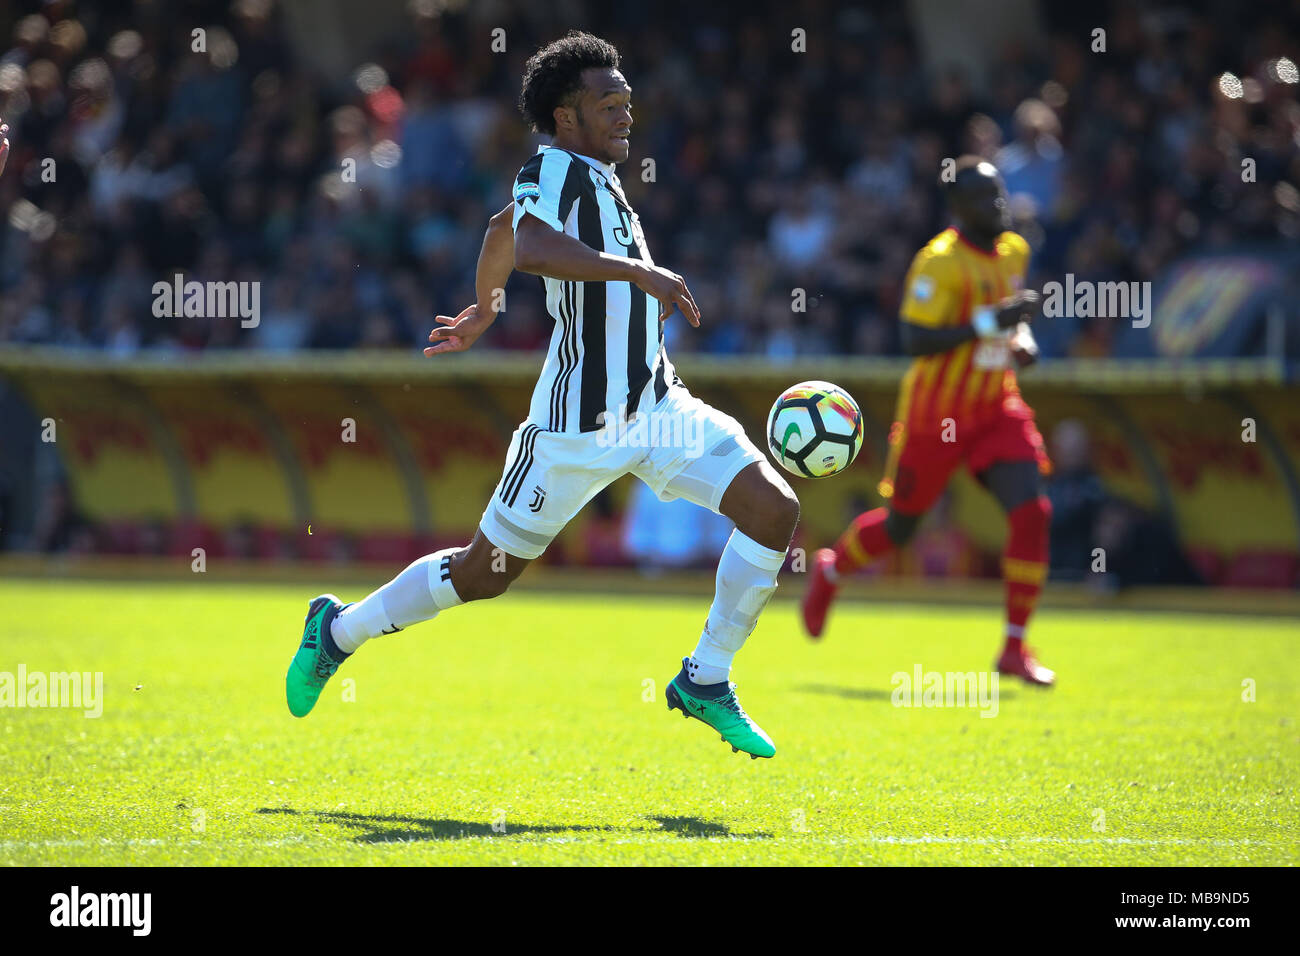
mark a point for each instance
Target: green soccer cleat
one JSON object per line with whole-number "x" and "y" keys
{"x": 313, "y": 665}
{"x": 717, "y": 706}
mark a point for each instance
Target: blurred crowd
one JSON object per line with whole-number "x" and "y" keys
{"x": 135, "y": 157}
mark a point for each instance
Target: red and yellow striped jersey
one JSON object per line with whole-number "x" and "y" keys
{"x": 948, "y": 280}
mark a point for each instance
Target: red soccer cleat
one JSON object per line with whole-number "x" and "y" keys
{"x": 821, "y": 592}
{"x": 1020, "y": 662}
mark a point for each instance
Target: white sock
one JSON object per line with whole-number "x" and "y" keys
{"x": 417, "y": 594}
{"x": 746, "y": 580}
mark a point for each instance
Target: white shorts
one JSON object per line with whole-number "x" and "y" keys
{"x": 682, "y": 448}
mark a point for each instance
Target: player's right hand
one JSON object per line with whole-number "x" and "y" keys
{"x": 1014, "y": 309}
{"x": 458, "y": 332}
{"x": 670, "y": 289}
{"x": 4, "y": 144}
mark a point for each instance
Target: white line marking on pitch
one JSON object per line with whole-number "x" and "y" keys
{"x": 107, "y": 844}
{"x": 738, "y": 838}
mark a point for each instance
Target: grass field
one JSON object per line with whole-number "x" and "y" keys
{"x": 529, "y": 712}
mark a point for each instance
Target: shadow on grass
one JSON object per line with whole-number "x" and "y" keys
{"x": 694, "y": 828}
{"x": 848, "y": 693}
{"x": 872, "y": 693}
{"x": 390, "y": 828}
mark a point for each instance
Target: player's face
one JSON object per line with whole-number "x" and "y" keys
{"x": 605, "y": 115}
{"x": 984, "y": 205}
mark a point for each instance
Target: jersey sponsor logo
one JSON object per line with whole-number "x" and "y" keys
{"x": 992, "y": 355}
{"x": 527, "y": 191}
{"x": 922, "y": 288}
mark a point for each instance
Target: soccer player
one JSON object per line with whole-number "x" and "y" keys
{"x": 965, "y": 320}
{"x": 606, "y": 373}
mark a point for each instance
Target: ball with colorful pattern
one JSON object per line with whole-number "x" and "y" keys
{"x": 814, "y": 430}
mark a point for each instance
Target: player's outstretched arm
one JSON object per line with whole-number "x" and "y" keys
{"x": 989, "y": 323}
{"x": 496, "y": 260}
{"x": 543, "y": 251}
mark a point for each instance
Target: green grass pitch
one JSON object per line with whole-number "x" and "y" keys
{"x": 517, "y": 732}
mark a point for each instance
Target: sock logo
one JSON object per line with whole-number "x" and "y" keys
{"x": 539, "y": 498}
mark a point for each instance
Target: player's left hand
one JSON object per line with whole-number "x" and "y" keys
{"x": 458, "y": 332}
{"x": 4, "y": 144}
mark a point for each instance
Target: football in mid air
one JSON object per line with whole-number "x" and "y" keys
{"x": 814, "y": 429}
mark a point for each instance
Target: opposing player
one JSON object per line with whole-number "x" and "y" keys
{"x": 606, "y": 372}
{"x": 964, "y": 318}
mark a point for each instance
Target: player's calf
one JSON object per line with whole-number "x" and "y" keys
{"x": 420, "y": 592}
{"x": 871, "y": 534}
{"x": 483, "y": 571}
{"x": 765, "y": 511}
{"x": 1018, "y": 487}
{"x": 901, "y": 528}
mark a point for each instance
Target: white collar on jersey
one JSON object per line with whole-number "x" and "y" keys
{"x": 606, "y": 168}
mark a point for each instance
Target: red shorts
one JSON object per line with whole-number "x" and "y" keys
{"x": 921, "y": 463}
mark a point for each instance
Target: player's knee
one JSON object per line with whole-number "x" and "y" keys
{"x": 900, "y": 528}
{"x": 787, "y": 516}
{"x": 764, "y": 507}
{"x": 1035, "y": 514}
{"x": 779, "y": 510}
{"x": 478, "y": 575}
{"x": 481, "y": 587}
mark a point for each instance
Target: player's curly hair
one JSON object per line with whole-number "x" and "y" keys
{"x": 554, "y": 74}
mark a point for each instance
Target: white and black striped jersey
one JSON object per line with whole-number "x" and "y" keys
{"x": 606, "y": 357}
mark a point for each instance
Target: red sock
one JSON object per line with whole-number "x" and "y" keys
{"x": 863, "y": 541}
{"x": 1024, "y": 564}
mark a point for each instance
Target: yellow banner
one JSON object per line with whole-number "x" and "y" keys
{"x": 403, "y": 446}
